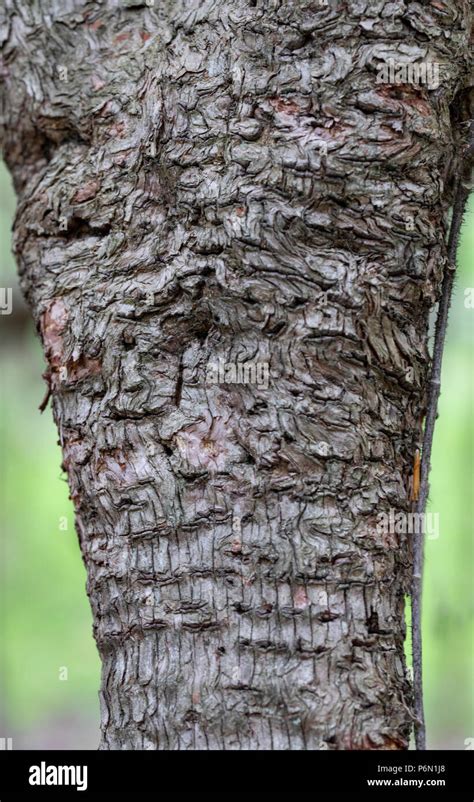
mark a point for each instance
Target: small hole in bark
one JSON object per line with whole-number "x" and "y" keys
{"x": 296, "y": 302}
{"x": 129, "y": 340}
{"x": 179, "y": 384}
{"x": 277, "y": 328}
{"x": 167, "y": 450}
{"x": 202, "y": 330}
{"x": 326, "y": 616}
{"x": 77, "y": 227}
{"x": 191, "y": 717}
{"x": 373, "y": 622}
{"x": 241, "y": 608}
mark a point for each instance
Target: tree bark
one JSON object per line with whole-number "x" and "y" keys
{"x": 207, "y": 180}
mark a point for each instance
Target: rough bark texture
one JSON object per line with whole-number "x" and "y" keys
{"x": 176, "y": 206}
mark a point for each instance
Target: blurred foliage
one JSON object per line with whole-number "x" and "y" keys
{"x": 46, "y": 621}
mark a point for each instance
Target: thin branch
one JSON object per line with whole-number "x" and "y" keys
{"x": 461, "y": 197}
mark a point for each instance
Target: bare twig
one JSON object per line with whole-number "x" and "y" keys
{"x": 461, "y": 197}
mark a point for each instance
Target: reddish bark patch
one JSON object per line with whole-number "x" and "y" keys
{"x": 386, "y": 742}
{"x": 52, "y": 325}
{"x": 300, "y": 598}
{"x": 82, "y": 368}
{"x": 407, "y": 94}
{"x": 145, "y": 36}
{"x": 286, "y": 106}
{"x": 97, "y": 83}
{"x": 86, "y": 192}
{"x": 107, "y": 108}
{"x": 122, "y": 37}
{"x": 76, "y": 499}
{"x": 94, "y": 26}
{"x": 123, "y": 157}
{"x": 75, "y": 452}
{"x": 117, "y": 130}
{"x": 326, "y": 616}
{"x": 115, "y": 465}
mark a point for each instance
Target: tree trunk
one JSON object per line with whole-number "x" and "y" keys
{"x": 204, "y": 184}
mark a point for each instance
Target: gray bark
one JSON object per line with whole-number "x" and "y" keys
{"x": 175, "y": 206}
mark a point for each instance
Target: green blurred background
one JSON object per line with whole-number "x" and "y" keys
{"x": 45, "y": 624}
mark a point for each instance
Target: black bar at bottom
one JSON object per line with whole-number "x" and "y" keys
{"x": 235, "y": 776}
